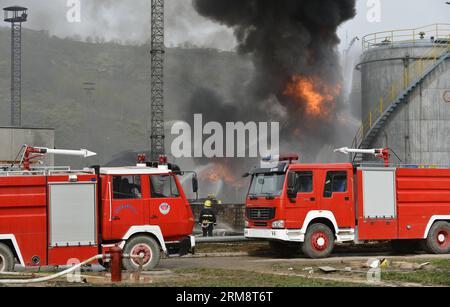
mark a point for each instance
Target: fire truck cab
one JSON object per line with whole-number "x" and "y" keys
{"x": 310, "y": 207}
{"x": 52, "y": 217}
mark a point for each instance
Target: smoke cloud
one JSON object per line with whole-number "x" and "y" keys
{"x": 125, "y": 21}
{"x": 289, "y": 41}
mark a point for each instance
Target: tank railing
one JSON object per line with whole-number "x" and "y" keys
{"x": 430, "y": 33}
{"x": 413, "y": 71}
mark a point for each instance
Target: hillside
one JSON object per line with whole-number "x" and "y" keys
{"x": 114, "y": 118}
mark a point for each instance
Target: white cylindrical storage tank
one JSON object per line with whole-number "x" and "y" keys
{"x": 413, "y": 63}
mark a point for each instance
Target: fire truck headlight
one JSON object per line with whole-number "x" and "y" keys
{"x": 247, "y": 224}
{"x": 278, "y": 225}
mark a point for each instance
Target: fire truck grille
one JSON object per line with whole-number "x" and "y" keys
{"x": 260, "y": 214}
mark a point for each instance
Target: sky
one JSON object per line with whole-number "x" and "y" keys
{"x": 129, "y": 20}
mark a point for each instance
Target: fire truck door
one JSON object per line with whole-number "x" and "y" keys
{"x": 306, "y": 199}
{"x": 166, "y": 205}
{"x": 377, "y": 204}
{"x": 127, "y": 204}
{"x": 337, "y": 197}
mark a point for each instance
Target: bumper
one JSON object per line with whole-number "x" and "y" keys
{"x": 288, "y": 235}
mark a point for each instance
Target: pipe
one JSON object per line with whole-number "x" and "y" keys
{"x": 51, "y": 277}
{"x": 222, "y": 239}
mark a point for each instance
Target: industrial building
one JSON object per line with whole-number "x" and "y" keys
{"x": 405, "y": 94}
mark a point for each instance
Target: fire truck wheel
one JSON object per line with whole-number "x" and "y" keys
{"x": 319, "y": 242}
{"x": 142, "y": 246}
{"x": 6, "y": 259}
{"x": 438, "y": 241}
{"x": 284, "y": 249}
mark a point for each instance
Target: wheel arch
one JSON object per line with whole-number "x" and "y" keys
{"x": 320, "y": 217}
{"x": 10, "y": 241}
{"x": 153, "y": 232}
{"x": 433, "y": 220}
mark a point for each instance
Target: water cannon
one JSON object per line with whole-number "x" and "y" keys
{"x": 31, "y": 153}
{"x": 382, "y": 153}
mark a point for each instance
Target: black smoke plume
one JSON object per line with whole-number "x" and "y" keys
{"x": 287, "y": 38}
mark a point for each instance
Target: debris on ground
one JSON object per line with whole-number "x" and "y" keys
{"x": 328, "y": 269}
{"x": 372, "y": 263}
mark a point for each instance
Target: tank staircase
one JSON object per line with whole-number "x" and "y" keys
{"x": 369, "y": 131}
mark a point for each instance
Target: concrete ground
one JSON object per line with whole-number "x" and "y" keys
{"x": 230, "y": 265}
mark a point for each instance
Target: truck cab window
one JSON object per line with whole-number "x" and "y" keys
{"x": 270, "y": 184}
{"x": 336, "y": 182}
{"x": 305, "y": 182}
{"x": 127, "y": 187}
{"x": 163, "y": 187}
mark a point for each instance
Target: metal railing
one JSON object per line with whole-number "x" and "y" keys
{"x": 430, "y": 33}
{"x": 45, "y": 171}
{"x": 412, "y": 72}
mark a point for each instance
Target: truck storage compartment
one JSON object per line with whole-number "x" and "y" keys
{"x": 377, "y": 204}
{"x": 72, "y": 214}
{"x": 379, "y": 194}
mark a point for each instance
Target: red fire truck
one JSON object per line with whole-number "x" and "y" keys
{"x": 310, "y": 207}
{"x": 50, "y": 216}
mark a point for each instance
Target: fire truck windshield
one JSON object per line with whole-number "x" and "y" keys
{"x": 267, "y": 185}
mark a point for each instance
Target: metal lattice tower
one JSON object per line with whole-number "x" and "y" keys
{"x": 157, "y": 80}
{"x": 16, "y": 15}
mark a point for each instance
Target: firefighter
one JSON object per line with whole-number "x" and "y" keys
{"x": 207, "y": 219}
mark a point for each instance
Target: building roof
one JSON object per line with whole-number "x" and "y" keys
{"x": 15, "y": 8}
{"x": 27, "y": 128}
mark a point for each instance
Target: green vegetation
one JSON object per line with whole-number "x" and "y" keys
{"x": 114, "y": 119}
{"x": 437, "y": 274}
{"x": 227, "y": 278}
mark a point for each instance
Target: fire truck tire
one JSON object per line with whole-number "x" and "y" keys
{"x": 319, "y": 242}
{"x": 142, "y": 245}
{"x": 438, "y": 241}
{"x": 6, "y": 259}
{"x": 285, "y": 249}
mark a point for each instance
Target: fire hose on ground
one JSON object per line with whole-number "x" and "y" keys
{"x": 115, "y": 257}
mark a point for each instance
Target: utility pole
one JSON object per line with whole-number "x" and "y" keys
{"x": 16, "y": 15}
{"x": 157, "y": 79}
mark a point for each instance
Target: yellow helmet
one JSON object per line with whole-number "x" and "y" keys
{"x": 208, "y": 204}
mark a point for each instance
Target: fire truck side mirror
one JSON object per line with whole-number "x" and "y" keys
{"x": 194, "y": 184}
{"x": 292, "y": 185}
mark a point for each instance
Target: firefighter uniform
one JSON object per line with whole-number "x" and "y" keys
{"x": 207, "y": 219}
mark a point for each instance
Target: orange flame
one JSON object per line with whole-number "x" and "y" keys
{"x": 220, "y": 172}
{"x": 317, "y": 96}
